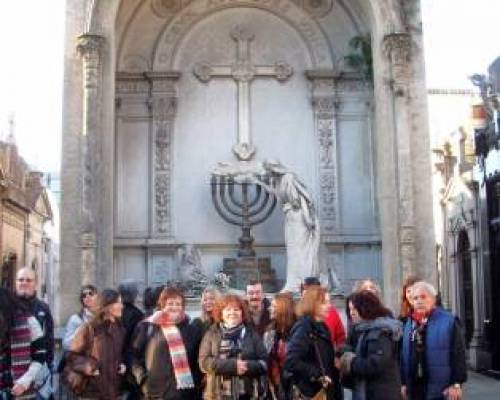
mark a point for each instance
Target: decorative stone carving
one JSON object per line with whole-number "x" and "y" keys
{"x": 89, "y": 47}
{"x": 317, "y": 8}
{"x": 325, "y": 130}
{"x": 243, "y": 72}
{"x": 302, "y": 228}
{"x": 324, "y": 110}
{"x": 398, "y": 47}
{"x": 296, "y": 16}
{"x": 162, "y": 202}
{"x": 166, "y": 8}
{"x": 164, "y": 108}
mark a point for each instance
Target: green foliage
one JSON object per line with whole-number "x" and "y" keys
{"x": 360, "y": 60}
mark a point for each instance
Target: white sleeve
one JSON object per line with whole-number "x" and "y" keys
{"x": 72, "y": 326}
{"x": 35, "y": 367}
{"x": 30, "y": 374}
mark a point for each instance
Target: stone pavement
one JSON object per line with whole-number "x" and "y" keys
{"x": 478, "y": 387}
{"x": 481, "y": 387}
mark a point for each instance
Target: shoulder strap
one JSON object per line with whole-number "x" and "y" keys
{"x": 318, "y": 354}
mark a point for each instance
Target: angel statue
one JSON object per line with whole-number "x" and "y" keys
{"x": 302, "y": 236}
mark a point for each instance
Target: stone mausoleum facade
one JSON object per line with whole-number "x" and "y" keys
{"x": 157, "y": 92}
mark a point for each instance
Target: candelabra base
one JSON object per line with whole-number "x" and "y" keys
{"x": 242, "y": 270}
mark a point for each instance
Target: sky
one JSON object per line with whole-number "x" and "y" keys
{"x": 458, "y": 37}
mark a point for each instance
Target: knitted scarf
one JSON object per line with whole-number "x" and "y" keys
{"x": 177, "y": 350}
{"x": 18, "y": 355}
{"x": 20, "y": 346}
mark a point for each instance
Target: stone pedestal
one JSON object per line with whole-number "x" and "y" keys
{"x": 244, "y": 269}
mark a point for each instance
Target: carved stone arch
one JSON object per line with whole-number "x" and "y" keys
{"x": 168, "y": 43}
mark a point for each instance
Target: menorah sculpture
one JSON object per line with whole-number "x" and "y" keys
{"x": 244, "y": 204}
{"x": 246, "y": 211}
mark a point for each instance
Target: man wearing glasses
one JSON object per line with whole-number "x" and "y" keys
{"x": 26, "y": 282}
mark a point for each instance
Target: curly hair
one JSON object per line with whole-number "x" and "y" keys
{"x": 230, "y": 300}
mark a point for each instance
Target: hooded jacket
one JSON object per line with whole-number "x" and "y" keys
{"x": 375, "y": 367}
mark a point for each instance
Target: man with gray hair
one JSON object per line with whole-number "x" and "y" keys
{"x": 433, "y": 359}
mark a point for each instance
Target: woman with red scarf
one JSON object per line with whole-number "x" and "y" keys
{"x": 433, "y": 363}
{"x": 165, "y": 351}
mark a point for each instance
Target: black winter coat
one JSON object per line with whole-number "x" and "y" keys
{"x": 302, "y": 358}
{"x": 152, "y": 365}
{"x": 377, "y": 360}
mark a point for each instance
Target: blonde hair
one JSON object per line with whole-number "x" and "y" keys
{"x": 205, "y": 316}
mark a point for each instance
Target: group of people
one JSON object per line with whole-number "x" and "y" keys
{"x": 241, "y": 347}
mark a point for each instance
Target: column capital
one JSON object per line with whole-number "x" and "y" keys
{"x": 89, "y": 44}
{"x": 397, "y": 47}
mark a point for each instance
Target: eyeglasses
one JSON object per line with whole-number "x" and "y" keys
{"x": 87, "y": 293}
{"x": 421, "y": 297}
{"x": 25, "y": 280}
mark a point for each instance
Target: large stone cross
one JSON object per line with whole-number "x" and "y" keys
{"x": 243, "y": 72}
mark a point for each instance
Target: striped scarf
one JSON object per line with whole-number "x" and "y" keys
{"x": 179, "y": 358}
{"x": 20, "y": 347}
{"x": 19, "y": 357}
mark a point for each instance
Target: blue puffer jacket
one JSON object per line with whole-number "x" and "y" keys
{"x": 438, "y": 348}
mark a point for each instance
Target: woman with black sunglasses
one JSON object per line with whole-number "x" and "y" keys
{"x": 88, "y": 295}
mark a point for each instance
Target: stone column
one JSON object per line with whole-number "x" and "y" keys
{"x": 163, "y": 108}
{"x": 397, "y": 47}
{"x": 90, "y": 46}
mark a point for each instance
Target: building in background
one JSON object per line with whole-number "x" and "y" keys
{"x": 467, "y": 217}
{"x": 25, "y": 210}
